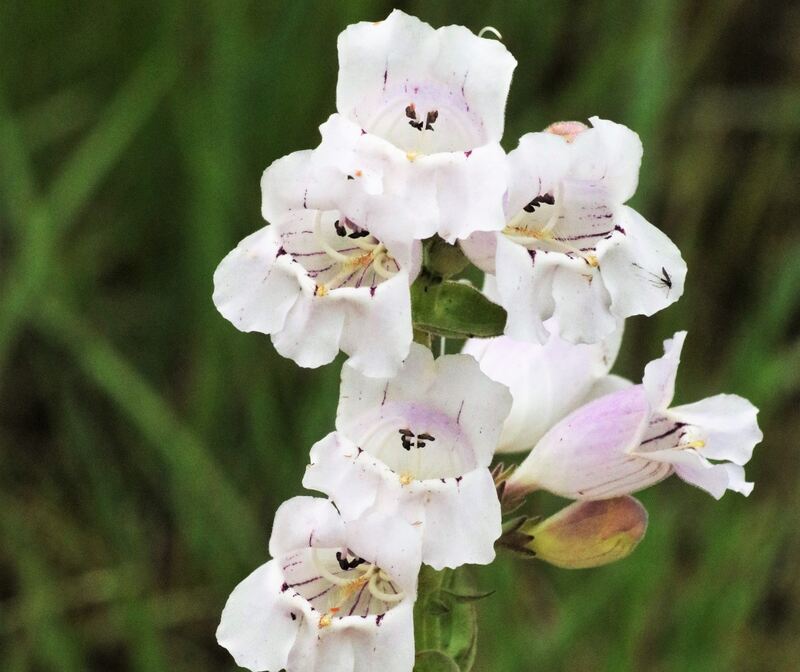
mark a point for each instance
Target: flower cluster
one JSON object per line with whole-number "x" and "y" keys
{"x": 411, "y": 163}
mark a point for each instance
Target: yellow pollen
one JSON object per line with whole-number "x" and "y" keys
{"x": 411, "y": 156}
{"x": 405, "y": 479}
{"x": 696, "y": 444}
{"x": 362, "y": 260}
{"x": 593, "y": 261}
{"x": 325, "y": 621}
{"x": 321, "y": 290}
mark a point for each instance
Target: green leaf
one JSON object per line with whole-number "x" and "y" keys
{"x": 454, "y": 309}
{"x": 435, "y": 661}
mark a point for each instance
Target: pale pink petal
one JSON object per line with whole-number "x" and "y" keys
{"x": 586, "y": 455}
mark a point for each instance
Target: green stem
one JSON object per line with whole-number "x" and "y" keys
{"x": 427, "y": 625}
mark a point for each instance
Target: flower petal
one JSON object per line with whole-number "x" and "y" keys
{"x": 255, "y": 286}
{"x": 537, "y": 166}
{"x": 524, "y": 283}
{"x": 377, "y": 332}
{"x": 695, "y": 469}
{"x": 346, "y": 474}
{"x": 586, "y": 455}
{"x": 322, "y": 650}
{"x": 643, "y": 269}
{"x": 389, "y": 542}
{"x": 728, "y": 424}
{"x": 312, "y": 330}
{"x": 608, "y": 153}
{"x": 302, "y": 522}
{"x": 546, "y": 381}
{"x": 389, "y": 646}
{"x": 386, "y": 66}
{"x": 660, "y": 374}
{"x": 257, "y": 625}
{"x": 581, "y": 303}
{"x": 462, "y": 521}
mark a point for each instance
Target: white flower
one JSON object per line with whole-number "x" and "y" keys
{"x": 336, "y": 596}
{"x": 546, "y": 381}
{"x": 416, "y": 137}
{"x": 420, "y": 443}
{"x": 316, "y": 280}
{"x": 631, "y": 439}
{"x": 571, "y": 249}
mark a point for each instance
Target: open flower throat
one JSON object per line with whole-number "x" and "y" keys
{"x": 418, "y": 442}
{"x": 543, "y": 224}
{"x": 337, "y": 583}
{"x": 335, "y": 252}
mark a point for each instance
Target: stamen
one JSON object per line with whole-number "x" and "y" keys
{"x": 492, "y": 30}
{"x": 334, "y": 254}
{"x": 381, "y": 595}
{"x": 320, "y": 567}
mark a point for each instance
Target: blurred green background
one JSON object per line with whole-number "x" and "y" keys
{"x": 145, "y": 443}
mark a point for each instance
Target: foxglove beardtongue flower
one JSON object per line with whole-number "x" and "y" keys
{"x": 546, "y": 381}
{"x": 335, "y": 596}
{"x": 416, "y": 138}
{"x": 316, "y": 280}
{"x": 570, "y": 248}
{"x": 631, "y": 439}
{"x": 419, "y": 444}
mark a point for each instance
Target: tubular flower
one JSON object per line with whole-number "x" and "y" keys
{"x": 416, "y": 138}
{"x": 571, "y": 249}
{"x": 546, "y": 381}
{"x": 336, "y": 596}
{"x": 318, "y": 281}
{"x": 631, "y": 439}
{"x": 419, "y": 444}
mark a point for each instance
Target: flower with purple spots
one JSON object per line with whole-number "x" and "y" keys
{"x": 333, "y": 591}
{"x": 316, "y": 280}
{"x": 571, "y": 250}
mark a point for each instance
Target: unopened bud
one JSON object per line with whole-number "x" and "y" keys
{"x": 568, "y": 130}
{"x": 589, "y": 533}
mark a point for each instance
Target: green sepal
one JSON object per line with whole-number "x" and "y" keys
{"x": 463, "y": 597}
{"x": 435, "y": 661}
{"x": 454, "y": 309}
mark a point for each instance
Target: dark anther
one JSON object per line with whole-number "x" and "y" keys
{"x": 405, "y": 438}
{"x": 416, "y": 124}
{"x": 430, "y": 120}
{"x": 411, "y": 111}
{"x": 361, "y": 233}
{"x": 410, "y": 440}
{"x": 340, "y": 230}
{"x": 350, "y": 177}
{"x": 544, "y": 198}
{"x": 345, "y": 564}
